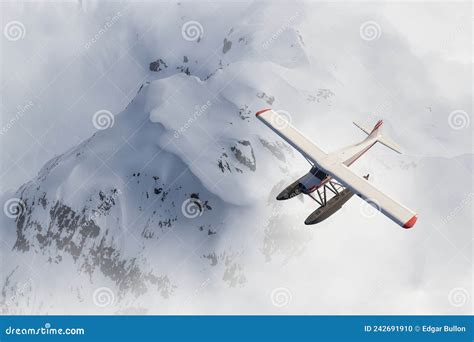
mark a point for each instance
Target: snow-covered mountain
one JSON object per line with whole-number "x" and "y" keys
{"x": 169, "y": 207}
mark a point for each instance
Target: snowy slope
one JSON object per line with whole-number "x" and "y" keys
{"x": 100, "y": 209}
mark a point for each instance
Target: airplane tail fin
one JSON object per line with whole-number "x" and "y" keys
{"x": 376, "y": 132}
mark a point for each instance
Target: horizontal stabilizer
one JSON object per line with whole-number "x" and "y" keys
{"x": 376, "y": 131}
{"x": 363, "y": 128}
{"x": 390, "y": 144}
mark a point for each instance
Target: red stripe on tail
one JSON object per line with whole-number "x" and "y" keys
{"x": 378, "y": 124}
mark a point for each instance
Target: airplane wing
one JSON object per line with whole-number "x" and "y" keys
{"x": 360, "y": 186}
{"x": 290, "y": 134}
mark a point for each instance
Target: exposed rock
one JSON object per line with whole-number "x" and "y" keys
{"x": 158, "y": 65}
{"x": 267, "y": 98}
{"x": 227, "y": 45}
{"x": 244, "y": 154}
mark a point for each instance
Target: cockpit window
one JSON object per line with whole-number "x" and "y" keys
{"x": 318, "y": 173}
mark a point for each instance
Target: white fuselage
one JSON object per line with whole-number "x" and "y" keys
{"x": 350, "y": 154}
{"x": 346, "y": 156}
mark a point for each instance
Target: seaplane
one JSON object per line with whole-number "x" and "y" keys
{"x": 330, "y": 177}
